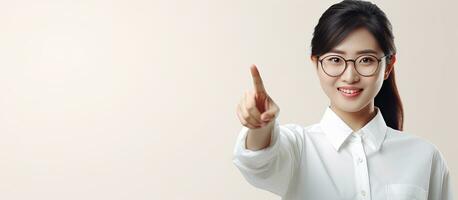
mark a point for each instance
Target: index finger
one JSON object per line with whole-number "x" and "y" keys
{"x": 257, "y": 81}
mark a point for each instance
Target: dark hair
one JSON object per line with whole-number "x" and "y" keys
{"x": 342, "y": 18}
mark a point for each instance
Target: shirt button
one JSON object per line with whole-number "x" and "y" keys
{"x": 360, "y": 160}
{"x": 363, "y": 193}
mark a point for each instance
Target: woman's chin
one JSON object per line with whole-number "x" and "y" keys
{"x": 346, "y": 106}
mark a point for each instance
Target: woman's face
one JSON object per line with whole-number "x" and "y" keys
{"x": 358, "y": 40}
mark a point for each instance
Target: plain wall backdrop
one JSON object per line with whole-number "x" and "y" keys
{"x": 135, "y": 99}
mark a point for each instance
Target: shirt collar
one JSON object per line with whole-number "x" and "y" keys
{"x": 337, "y": 131}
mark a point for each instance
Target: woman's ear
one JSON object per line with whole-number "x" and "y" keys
{"x": 389, "y": 67}
{"x": 314, "y": 60}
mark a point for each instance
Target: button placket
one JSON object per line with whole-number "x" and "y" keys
{"x": 361, "y": 172}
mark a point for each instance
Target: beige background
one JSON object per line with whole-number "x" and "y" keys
{"x": 136, "y": 99}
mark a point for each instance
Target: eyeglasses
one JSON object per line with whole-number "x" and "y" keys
{"x": 365, "y": 65}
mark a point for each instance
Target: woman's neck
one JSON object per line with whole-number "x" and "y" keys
{"x": 356, "y": 120}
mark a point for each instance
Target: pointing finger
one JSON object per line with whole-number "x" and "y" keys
{"x": 257, "y": 81}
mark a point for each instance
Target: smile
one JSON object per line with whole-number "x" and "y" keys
{"x": 350, "y": 93}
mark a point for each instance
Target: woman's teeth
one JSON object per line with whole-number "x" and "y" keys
{"x": 349, "y": 91}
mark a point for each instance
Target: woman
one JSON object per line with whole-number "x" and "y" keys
{"x": 358, "y": 150}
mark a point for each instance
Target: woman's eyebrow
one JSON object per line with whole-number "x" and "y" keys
{"x": 358, "y": 52}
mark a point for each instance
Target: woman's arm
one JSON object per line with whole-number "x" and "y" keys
{"x": 259, "y": 138}
{"x": 271, "y": 168}
{"x": 440, "y": 184}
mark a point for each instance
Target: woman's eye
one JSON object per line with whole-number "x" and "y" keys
{"x": 334, "y": 59}
{"x": 367, "y": 60}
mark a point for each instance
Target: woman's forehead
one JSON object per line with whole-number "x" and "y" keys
{"x": 359, "y": 41}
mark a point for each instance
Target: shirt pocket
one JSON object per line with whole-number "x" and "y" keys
{"x": 405, "y": 192}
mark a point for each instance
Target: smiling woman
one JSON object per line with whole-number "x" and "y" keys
{"x": 358, "y": 150}
{"x": 352, "y": 87}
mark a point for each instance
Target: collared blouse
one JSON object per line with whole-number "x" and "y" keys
{"x": 329, "y": 161}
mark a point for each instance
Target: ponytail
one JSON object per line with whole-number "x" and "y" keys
{"x": 389, "y": 102}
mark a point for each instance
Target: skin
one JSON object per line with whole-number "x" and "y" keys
{"x": 356, "y": 112}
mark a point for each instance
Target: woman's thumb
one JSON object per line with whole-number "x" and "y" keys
{"x": 267, "y": 116}
{"x": 271, "y": 110}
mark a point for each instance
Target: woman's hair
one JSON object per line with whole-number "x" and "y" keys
{"x": 342, "y": 18}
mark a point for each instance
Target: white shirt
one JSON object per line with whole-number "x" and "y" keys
{"x": 328, "y": 161}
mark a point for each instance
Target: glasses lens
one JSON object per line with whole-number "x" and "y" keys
{"x": 333, "y": 65}
{"x": 366, "y": 65}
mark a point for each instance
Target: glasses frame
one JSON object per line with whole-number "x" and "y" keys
{"x": 354, "y": 64}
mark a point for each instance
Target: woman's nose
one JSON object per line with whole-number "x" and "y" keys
{"x": 350, "y": 74}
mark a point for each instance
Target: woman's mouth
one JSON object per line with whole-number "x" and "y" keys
{"x": 350, "y": 92}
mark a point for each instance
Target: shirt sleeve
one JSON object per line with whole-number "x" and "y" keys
{"x": 440, "y": 185}
{"x": 273, "y": 167}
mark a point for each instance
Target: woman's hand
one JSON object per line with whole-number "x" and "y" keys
{"x": 256, "y": 108}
